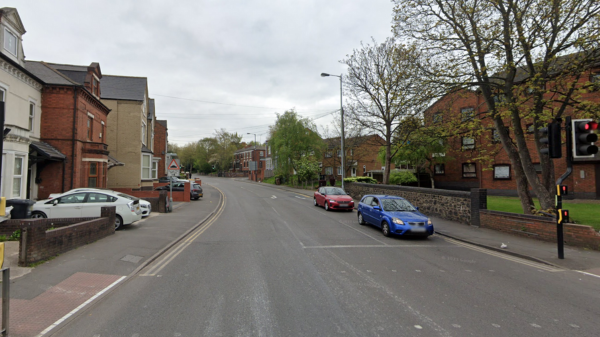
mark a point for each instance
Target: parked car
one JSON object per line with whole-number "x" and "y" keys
{"x": 394, "y": 215}
{"x": 198, "y": 190}
{"x": 195, "y": 193}
{"x": 333, "y": 198}
{"x": 146, "y": 206}
{"x": 168, "y": 179}
{"x": 76, "y": 204}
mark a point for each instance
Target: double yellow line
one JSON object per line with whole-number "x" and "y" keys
{"x": 175, "y": 251}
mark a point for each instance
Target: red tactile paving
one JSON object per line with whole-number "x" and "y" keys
{"x": 30, "y": 317}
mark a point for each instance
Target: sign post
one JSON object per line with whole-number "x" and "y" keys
{"x": 172, "y": 170}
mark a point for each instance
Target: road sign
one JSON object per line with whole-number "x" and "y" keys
{"x": 173, "y": 165}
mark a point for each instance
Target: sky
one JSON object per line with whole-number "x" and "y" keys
{"x": 213, "y": 64}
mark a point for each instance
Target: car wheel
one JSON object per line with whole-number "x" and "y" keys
{"x": 315, "y": 202}
{"x": 38, "y": 215}
{"x": 361, "y": 221}
{"x": 118, "y": 222}
{"x": 326, "y": 205}
{"x": 385, "y": 229}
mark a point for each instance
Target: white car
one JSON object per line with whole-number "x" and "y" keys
{"x": 145, "y": 205}
{"x": 87, "y": 203}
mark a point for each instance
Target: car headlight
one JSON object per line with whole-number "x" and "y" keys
{"x": 429, "y": 222}
{"x": 332, "y": 200}
{"x": 397, "y": 221}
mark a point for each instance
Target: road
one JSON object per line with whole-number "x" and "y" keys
{"x": 272, "y": 264}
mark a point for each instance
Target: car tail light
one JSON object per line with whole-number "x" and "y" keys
{"x": 131, "y": 207}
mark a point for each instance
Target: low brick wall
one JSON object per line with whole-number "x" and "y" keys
{"x": 451, "y": 205}
{"x": 540, "y": 228}
{"x": 146, "y": 195}
{"x": 10, "y": 226}
{"x": 38, "y": 244}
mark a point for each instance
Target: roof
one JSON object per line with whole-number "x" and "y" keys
{"x": 251, "y": 148}
{"x": 145, "y": 149}
{"x": 47, "y": 151}
{"x": 112, "y": 161}
{"x": 162, "y": 122}
{"x": 123, "y": 87}
{"x": 18, "y": 66}
{"x": 150, "y": 108}
{"x": 47, "y": 74}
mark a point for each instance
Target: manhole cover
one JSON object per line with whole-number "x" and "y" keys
{"x": 132, "y": 258}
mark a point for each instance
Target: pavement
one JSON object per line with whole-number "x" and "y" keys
{"x": 47, "y": 296}
{"x": 575, "y": 258}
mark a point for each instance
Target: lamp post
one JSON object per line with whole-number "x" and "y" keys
{"x": 342, "y": 116}
{"x": 253, "y": 152}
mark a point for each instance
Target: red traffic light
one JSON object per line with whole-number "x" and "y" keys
{"x": 590, "y": 126}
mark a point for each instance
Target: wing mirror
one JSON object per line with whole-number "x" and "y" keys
{"x": 417, "y": 208}
{"x": 54, "y": 202}
{"x": 376, "y": 208}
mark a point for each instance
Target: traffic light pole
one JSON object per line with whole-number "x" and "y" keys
{"x": 560, "y": 219}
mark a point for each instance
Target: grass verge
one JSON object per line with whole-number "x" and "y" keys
{"x": 580, "y": 213}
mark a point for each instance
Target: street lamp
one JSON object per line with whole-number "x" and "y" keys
{"x": 253, "y": 152}
{"x": 342, "y": 116}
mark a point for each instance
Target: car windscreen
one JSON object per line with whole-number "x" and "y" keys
{"x": 334, "y": 191}
{"x": 397, "y": 205}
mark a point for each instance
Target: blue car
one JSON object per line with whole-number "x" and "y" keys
{"x": 394, "y": 215}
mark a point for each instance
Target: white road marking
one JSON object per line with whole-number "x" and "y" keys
{"x": 418, "y": 327}
{"x": 495, "y": 325}
{"x": 300, "y": 197}
{"x": 574, "y": 326}
{"x": 372, "y": 246}
{"x": 589, "y": 274}
{"x": 456, "y": 325}
{"x": 274, "y": 197}
{"x": 81, "y": 306}
{"x": 535, "y": 325}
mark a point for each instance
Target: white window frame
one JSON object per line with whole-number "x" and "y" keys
{"x": 329, "y": 170}
{"x": 148, "y": 168}
{"x": 339, "y": 171}
{"x": 143, "y": 133}
{"x": 19, "y": 176}
{"x": 364, "y": 169}
{"x": 6, "y": 33}
{"x": 154, "y": 168}
{"x": 31, "y": 115}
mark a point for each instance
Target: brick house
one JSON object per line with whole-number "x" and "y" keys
{"x": 131, "y": 133}
{"x": 21, "y": 92}
{"x": 74, "y": 125}
{"x": 361, "y": 157}
{"x": 463, "y": 172}
{"x": 254, "y": 162}
{"x": 161, "y": 137}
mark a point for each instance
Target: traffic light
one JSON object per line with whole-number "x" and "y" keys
{"x": 562, "y": 190}
{"x": 584, "y": 137}
{"x": 552, "y": 138}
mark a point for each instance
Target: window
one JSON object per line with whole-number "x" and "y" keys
{"x": 261, "y": 153}
{"x": 76, "y": 198}
{"x": 439, "y": 169}
{"x": 90, "y": 124}
{"x": 467, "y": 114}
{"x": 352, "y": 152}
{"x": 143, "y": 133}
{"x": 93, "y": 175}
{"x": 17, "y": 177}
{"x": 99, "y": 197}
{"x": 94, "y": 86}
{"x": 339, "y": 171}
{"x": 468, "y": 143}
{"x": 495, "y": 136}
{"x": 502, "y": 171}
{"x": 595, "y": 79}
{"x": 101, "y": 129}
{"x": 2, "y": 94}
{"x": 530, "y": 128}
{"x": 329, "y": 170}
{"x": 468, "y": 170}
{"x": 364, "y": 169}
{"x": 339, "y": 153}
{"x": 10, "y": 42}
{"x": 438, "y": 118}
{"x": 328, "y": 154}
{"x": 500, "y": 98}
{"x": 154, "y": 169}
{"x": 31, "y": 115}
{"x": 146, "y": 162}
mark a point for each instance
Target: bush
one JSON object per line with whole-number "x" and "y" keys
{"x": 16, "y": 236}
{"x": 402, "y": 177}
{"x": 366, "y": 180}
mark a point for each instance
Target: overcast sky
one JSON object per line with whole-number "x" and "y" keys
{"x": 252, "y": 57}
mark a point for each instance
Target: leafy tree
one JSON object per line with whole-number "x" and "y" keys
{"x": 225, "y": 145}
{"x": 402, "y": 177}
{"x": 382, "y": 89}
{"x": 291, "y": 139}
{"x": 307, "y": 169}
{"x": 527, "y": 58}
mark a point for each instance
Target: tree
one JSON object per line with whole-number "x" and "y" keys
{"x": 383, "y": 88}
{"x": 225, "y": 145}
{"x": 525, "y": 57}
{"x": 291, "y": 139}
{"x": 307, "y": 169}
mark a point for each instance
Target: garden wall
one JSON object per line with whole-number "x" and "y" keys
{"x": 540, "y": 228}
{"x": 451, "y": 205}
{"x": 39, "y": 241}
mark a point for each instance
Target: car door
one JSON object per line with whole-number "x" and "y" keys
{"x": 68, "y": 206}
{"x": 366, "y": 209}
{"x": 93, "y": 203}
{"x": 375, "y": 215}
{"x": 319, "y": 196}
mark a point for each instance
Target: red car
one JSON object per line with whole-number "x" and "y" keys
{"x": 333, "y": 198}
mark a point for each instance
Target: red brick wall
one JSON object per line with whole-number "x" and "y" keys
{"x": 539, "y": 228}
{"x": 57, "y": 130}
{"x": 177, "y": 195}
{"x": 160, "y": 143}
{"x": 38, "y": 244}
